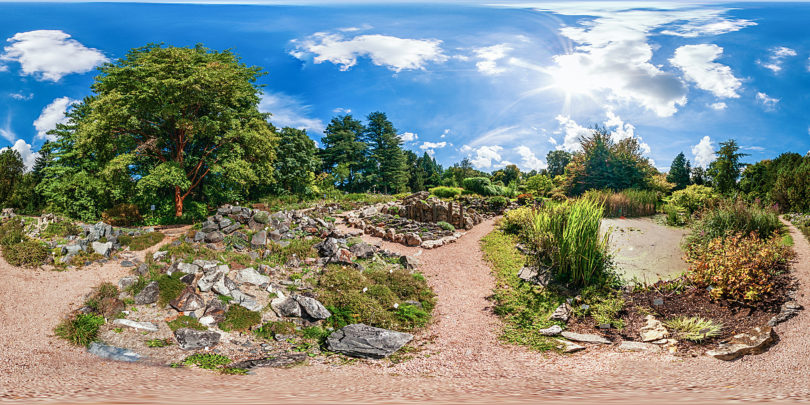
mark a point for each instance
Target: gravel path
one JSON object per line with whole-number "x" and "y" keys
{"x": 466, "y": 362}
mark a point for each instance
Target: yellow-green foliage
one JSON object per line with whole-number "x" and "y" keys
{"x": 446, "y": 192}
{"x": 28, "y": 253}
{"x": 239, "y": 318}
{"x": 525, "y": 308}
{"x": 626, "y": 203}
{"x": 184, "y": 321}
{"x": 694, "y": 198}
{"x": 694, "y": 328}
{"x": 141, "y": 242}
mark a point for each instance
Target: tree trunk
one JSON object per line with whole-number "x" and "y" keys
{"x": 178, "y": 202}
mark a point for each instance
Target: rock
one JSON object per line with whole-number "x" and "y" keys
{"x": 630, "y": 346}
{"x": 113, "y": 353}
{"x": 288, "y": 307}
{"x": 313, "y": 307}
{"x": 209, "y": 226}
{"x": 127, "y": 263}
{"x": 224, "y": 286}
{"x": 73, "y": 249}
{"x": 585, "y": 338}
{"x": 259, "y": 240}
{"x": 569, "y": 347}
{"x": 653, "y": 330}
{"x": 280, "y": 360}
{"x": 755, "y": 341}
{"x": 231, "y": 229}
{"x": 363, "y": 250}
{"x": 534, "y": 275}
{"x": 188, "y": 268}
{"x": 214, "y": 237}
{"x": 159, "y": 255}
{"x": 412, "y": 239}
{"x": 261, "y": 217}
{"x": 553, "y": 330}
{"x": 147, "y": 326}
{"x": 788, "y": 310}
{"x": 251, "y": 276}
{"x": 103, "y": 249}
{"x": 562, "y": 313}
{"x": 343, "y": 256}
{"x": 191, "y": 339}
{"x": 225, "y": 222}
{"x": 328, "y": 247}
{"x": 126, "y": 282}
{"x": 149, "y": 294}
{"x": 215, "y": 310}
{"x": 188, "y": 300}
{"x": 409, "y": 262}
{"x": 363, "y": 341}
{"x": 188, "y": 279}
{"x": 199, "y": 236}
{"x": 211, "y": 277}
{"x": 142, "y": 269}
{"x": 246, "y": 300}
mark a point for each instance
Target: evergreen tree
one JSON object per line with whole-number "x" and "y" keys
{"x": 297, "y": 161}
{"x": 11, "y": 172}
{"x": 344, "y": 153}
{"x": 726, "y": 169}
{"x": 679, "y": 172}
{"x": 699, "y": 176}
{"x": 416, "y": 172}
{"x": 557, "y": 160}
{"x": 387, "y": 160}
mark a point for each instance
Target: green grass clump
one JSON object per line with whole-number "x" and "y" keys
{"x": 141, "y": 242}
{"x": 376, "y": 296}
{"x": 28, "y": 253}
{"x": 604, "y": 306}
{"x": 12, "y": 232}
{"x": 81, "y": 330}
{"x": 301, "y": 248}
{"x": 170, "y": 287}
{"x": 446, "y": 226}
{"x": 60, "y": 229}
{"x": 694, "y": 328}
{"x": 270, "y": 329}
{"x": 734, "y": 218}
{"x": 184, "y": 321}
{"x": 626, "y": 203}
{"x": 158, "y": 343}
{"x": 525, "y": 308}
{"x": 239, "y": 318}
{"x": 208, "y": 361}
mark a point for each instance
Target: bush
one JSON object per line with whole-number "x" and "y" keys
{"x": 517, "y": 221}
{"x": 29, "y": 253}
{"x": 525, "y": 199}
{"x": 734, "y": 218}
{"x": 626, "y": 203}
{"x": 483, "y": 186}
{"x": 739, "y": 268}
{"x": 446, "y": 192}
{"x": 539, "y": 185}
{"x": 675, "y": 216}
{"x": 170, "y": 287}
{"x": 122, "y": 215}
{"x": 446, "y": 226}
{"x": 141, "y": 242}
{"x": 12, "y": 232}
{"x": 240, "y": 318}
{"x": 694, "y": 198}
{"x": 497, "y": 203}
{"x": 81, "y": 330}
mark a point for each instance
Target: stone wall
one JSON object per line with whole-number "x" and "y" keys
{"x": 423, "y": 208}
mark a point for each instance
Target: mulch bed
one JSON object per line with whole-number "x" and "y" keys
{"x": 689, "y": 301}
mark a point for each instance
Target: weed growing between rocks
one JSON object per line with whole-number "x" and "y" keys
{"x": 170, "y": 287}
{"x": 184, "y": 321}
{"x": 80, "y": 330}
{"x": 141, "y": 242}
{"x": 239, "y": 318}
{"x": 269, "y": 330}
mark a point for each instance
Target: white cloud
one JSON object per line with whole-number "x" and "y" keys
{"x": 777, "y": 58}
{"x": 489, "y": 57}
{"x": 409, "y": 137}
{"x": 486, "y": 157}
{"x": 6, "y": 131}
{"x": 430, "y": 147}
{"x": 52, "y": 114}
{"x": 572, "y": 133}
{"x": 698, "y": 66}
{"x": 718, "y": 106}
{"x": 622, "y": 130}
{"x": 768, "y": 102}
{"x": 446, "y": 131}
{"x": 552, "y": 141}
{"x": 703, "y": 152}
{"x": 21, "y": 96}
{"x": 340, "y": 110}
{"x": 50, "y": 54}
{"x": 29, "y": 157}
{"x": 289, "y": 112}
{"x": 529, "y": 160}
{"x": 392, "y": 52}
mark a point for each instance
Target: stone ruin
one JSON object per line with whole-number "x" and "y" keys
{"x": 423, "y": 208}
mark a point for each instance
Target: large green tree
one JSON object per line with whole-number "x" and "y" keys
{"x": 726, "y": 168}
{"x": 297, "y": 162}
{"x": 387, "y": 161}
{"x": 557, "y": 160}
{"x": 344, "y": 153}
{"x": 679, "y": 172}
{"x": 177, "y": 120}
{"x": 11, "y": 172}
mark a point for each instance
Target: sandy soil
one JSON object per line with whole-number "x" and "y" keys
{"x": 646, "y": 250}
{"x": 466, "y": 362}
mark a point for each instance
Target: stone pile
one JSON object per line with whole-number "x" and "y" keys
{"x": 423, "y": 208}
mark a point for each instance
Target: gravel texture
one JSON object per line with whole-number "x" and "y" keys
{"x": 466, "y": 362}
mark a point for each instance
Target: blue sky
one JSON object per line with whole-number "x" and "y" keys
{"x": 498, "y": 83}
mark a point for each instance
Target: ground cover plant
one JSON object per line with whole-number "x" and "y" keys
{"x": 141, "y": 242}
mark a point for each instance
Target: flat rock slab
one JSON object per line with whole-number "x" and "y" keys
{"x": 585, "y": 338}
{"x": 281, "y": 360}
{"x": 553, "y": 330}
{"x": 630, "y": 346}
{"x": 756, "y": 341}
{"x": 113, "y": 353}
{"x": 191, "y": 339}
{"x": 569, "y": 347}
{"x": 363, "y": 341}
{"x": 147, "y": 326}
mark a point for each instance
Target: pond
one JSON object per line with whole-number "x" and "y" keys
{"x": 645, "y": 250}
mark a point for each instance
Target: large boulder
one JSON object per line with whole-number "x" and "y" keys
{"x": 103, "y": 249}
{"x": 261, "y": 217}
{"x": 313, "y": 307}
{"x": 259, "y": 239}
{"x": 409, "y": 262}
{"x": 246, "y": 300}
{"x": 363, "y": 250}
{"x": 288, "y": 307}
{"x": 214, "y": 237}
{"x": 755, "y": 341}
{"x": 192, "y": 339}
{"x": 211, "y": 277}
{"x": 149, "y": 294}
{"x": 363, "y": 341}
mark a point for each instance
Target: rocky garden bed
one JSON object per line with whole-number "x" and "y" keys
{"x": 250, "y": 288}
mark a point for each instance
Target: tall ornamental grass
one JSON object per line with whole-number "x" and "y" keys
{"x": 568, "y": 241}
{"x": 626, "y": 203}
{"x": 736, "y": 217}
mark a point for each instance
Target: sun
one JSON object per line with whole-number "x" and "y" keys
{"x": 570, "y": 76}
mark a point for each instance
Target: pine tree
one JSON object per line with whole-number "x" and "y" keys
{"x": 345, "y": 151}
{"x": 388, "y": 162}
{"x": 726, "y": 169}
{"x": 679, "y": 172}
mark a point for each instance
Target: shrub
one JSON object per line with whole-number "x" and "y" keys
{"x": 60, "y": 229}
{"x": 539, "y": 185}
{"x": 517, "y": 221}
{"x": 12, "y": 232}
{"x": 694, "y": 198}
{"x": 695, "y": 329}
{"x": 739, "y": 268}
{"x": 29, "y": 253}
{"x": 626, "y": 203}
{"x": 734, "y": 218}
{"x": 141, "y": 242}
{"x": 446, "y": 226}
{"x": 497, "y": 203}
{"x": 239, "y": 318}
{"x": 81, "y": 330}
{"x": 446, "y": 192}
{"x": 524, "y": 199}
{"x": 483, "y": 186}
{"x": 122, "y": 215}
{"x": 568, "y": 241}
{"x": 300, "y": 248}
{"x": 675, "y": 216}
{"x": 185, "y": 321}
{"x": 170, "y": 287}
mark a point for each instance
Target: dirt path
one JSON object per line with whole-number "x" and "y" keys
{"x": 466, "y": 362}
